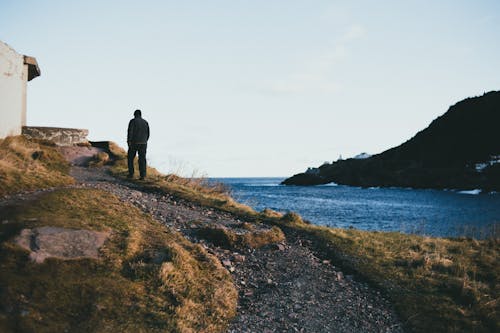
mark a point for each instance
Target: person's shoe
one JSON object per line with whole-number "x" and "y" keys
{"x": 130, "y": 176}
{"x": 142, "y": 177}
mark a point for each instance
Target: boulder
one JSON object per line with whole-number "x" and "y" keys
{"x": 61, "y": 243}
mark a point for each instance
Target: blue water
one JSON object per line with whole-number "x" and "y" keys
{"x": 429, "y": 212}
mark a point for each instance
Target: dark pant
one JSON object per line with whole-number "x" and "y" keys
{"x": 133, "y": 149}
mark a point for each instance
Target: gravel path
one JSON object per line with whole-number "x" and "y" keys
{"x": 282, "y": 287}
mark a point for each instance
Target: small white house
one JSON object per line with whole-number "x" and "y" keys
{"x": 15, "y": 71}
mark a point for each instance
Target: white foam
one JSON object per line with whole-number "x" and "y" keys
{"x": 330, "y": 184}
{"x": 471, "y": 192}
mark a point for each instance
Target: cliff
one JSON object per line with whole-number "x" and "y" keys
{"x": 460, "y": 149}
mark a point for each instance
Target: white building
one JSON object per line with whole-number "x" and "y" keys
{"x": 15, "y": 71}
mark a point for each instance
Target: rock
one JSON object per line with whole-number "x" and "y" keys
{"x": 340, "y": 276}
{"x": 62, "y": 243}
{"x": 326, "y": 262}
{"x": 280, "y": 247}
{"x": 238, "y": 257}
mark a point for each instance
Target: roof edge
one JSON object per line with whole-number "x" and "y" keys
{"x": 33, "y": 69}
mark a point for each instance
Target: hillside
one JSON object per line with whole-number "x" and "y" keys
{"x": 99, "y": 252}
{"x": 460, "y": 149}
{"x": 79, "y": 259}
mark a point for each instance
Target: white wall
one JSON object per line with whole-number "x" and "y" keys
{"x": 13, "y": 78}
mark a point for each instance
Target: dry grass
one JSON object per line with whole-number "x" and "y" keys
{"x": 230, "y": 239}
{"x": 149, "y": 279}
{"x": 99, "y": 159}
{"x": 196, "y": 190}
{"x": 29, "y": 165}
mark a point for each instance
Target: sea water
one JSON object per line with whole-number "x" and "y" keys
{"x": 428, "y": 212}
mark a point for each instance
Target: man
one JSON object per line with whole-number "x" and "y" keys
{"x": 137, "y": 139}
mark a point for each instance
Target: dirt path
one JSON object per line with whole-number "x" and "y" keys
{"x": 282, "y": 287}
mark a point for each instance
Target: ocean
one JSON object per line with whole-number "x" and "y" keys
{"x": 427, "y": 212}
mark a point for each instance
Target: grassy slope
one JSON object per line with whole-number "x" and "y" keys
{"x": 147, "y": 279}
{"x": 29, "y": 165}
{"x": 436, "y": 284}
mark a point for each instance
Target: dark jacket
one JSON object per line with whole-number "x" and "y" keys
{"x": 138, "y": 131}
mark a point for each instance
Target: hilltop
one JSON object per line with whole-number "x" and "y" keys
{"x": 460, "y": 149}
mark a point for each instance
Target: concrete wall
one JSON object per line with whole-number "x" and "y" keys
{"x": 13, "y": 78}
{"x": 60, "y": 136}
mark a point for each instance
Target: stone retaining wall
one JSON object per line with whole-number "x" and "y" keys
{"x": 61, "y": 136}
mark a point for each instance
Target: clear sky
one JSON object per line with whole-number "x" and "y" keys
{"x": 250, "y": 87}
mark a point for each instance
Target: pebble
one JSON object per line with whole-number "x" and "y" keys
{"x": 280, "y": 247}
{"x": 238, "y": 257}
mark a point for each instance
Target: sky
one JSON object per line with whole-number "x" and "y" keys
{"x": 251, "y": 88}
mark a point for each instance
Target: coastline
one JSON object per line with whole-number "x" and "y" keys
{"x": 435, "y": 284}
{"x": 423, "y": 211}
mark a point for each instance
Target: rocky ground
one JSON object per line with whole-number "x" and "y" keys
{"x": 282, "y": 287}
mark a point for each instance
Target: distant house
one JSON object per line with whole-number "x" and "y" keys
{"x": 15, "y": 71}
{"x": 362, "y": 156}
